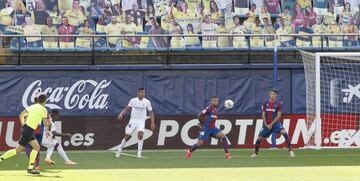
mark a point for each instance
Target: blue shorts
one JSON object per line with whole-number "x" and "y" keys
{"x": 206, "y": 132}
{"x": 264, "y": 132}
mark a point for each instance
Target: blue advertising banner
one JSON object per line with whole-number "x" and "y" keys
{"x": 172, "y": 92}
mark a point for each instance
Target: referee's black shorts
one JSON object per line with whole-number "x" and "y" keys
{"x": 27, "y": 135}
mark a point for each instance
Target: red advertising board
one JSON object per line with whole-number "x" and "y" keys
{"x": 173, "y": 132}
{"x": 179, "y": 132}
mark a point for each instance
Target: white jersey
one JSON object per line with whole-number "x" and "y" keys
{"x": 48, "y": 137}
{"x": 48, "y": 134}
{"x": 139, "y": 109}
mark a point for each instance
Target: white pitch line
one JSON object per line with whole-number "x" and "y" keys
{"x": 130, "y": 155}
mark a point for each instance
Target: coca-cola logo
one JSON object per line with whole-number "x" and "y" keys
{"x": 78, "y": 95}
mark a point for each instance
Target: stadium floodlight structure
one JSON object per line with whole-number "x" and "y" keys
{"x": 332, "y": 99}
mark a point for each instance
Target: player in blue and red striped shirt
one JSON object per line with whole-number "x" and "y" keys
{"x": 271, "y": 115}
{"x": 207, "y": 118}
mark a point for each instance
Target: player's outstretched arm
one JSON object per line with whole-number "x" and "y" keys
{"x": 62, "y": 134}
{"x": 47, "y": 122}
{"x": 152, "y": 119}
{"x": 121, "y": 115}
{"x": 200, "y": 117}
{"x": 22, "y": 116}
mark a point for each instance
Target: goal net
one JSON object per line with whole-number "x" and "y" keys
{"x": 332, "y": 99}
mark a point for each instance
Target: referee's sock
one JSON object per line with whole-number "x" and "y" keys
{"x": 8, "y": 155}
{"x": 32, "y": 159}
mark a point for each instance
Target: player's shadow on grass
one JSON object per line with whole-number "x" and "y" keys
{"x": 35, "y": 176}
{"x": 50, "y": 171}
{"x": 47, "y": 176}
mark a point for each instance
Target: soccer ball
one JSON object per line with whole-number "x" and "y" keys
{"x": 229, "y": 104}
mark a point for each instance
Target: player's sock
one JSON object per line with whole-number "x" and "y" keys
{"x": 273, "y": 140}
{"x": 257, "y": 146}
{"x": 225, "y": 143}
{"x": 140, "y": 146}
{"x": 8, "y": 155}
{"x": 194, "y": 147}
{"x": 122, "y": 145}
{"x": 49, "y": 152}
{"x": 62, "y": 153}
{"x": 37, "y": 160}
{"x": 32, "y": 158}
{"x": 287, "y": 139}
{"x": 28, "y": 149}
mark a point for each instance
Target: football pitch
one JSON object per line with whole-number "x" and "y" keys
{"x": 207, "y": 165}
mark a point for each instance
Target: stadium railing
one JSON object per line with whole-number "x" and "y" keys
{"x": 100, "y": 42}
{"x": 17, "y": 45}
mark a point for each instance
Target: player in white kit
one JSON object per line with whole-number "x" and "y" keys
{"x": 139, "y": 107}
{"x": 50, "y": 143}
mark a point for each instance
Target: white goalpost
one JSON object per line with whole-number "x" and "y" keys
{"x": 332, "y": 99}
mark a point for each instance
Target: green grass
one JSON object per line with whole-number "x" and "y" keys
{"x": 326, "y": 164}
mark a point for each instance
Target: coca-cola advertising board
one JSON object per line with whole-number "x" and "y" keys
{"x": 105, "y": 93}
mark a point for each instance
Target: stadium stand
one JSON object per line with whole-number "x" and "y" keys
{"x": 185, "y": 19}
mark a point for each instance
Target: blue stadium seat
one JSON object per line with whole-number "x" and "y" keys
{"x": 82, "y": 49}
{"x": 352, "y": 48}
{"x": 242, "y": 49}
{"x": 18, "y": 44}
{"x": 351, "y": 45}
{"x": 118, "y": 47}
{"x": 148, "y": 49}
{"x": 100, "y": 45}
{"x": 51, "y": 49}
{"x": 161, "y": 49}
{"x": 195, "y": 49}
{"x": 101, "y": 33}
{"x": 67, "y": 49}
{"x": 178, "y": 49}
{"x": 269, "y": 49}
{"x": 132, "y": 49}
{"x": 306, "y": 48}
{"x": 316, "y": 48}
{"x": 336, "y": 48}
{"x": 226, "y": 49}
{"x": 211, "y": 49}
{"x": 286, "y": 49}
{"x": 260, "y": 49}
{"x": 35, "y": 46}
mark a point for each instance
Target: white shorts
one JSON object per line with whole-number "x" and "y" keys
{"x": 134, "y": 126}
{"x": 48, "y": 143}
